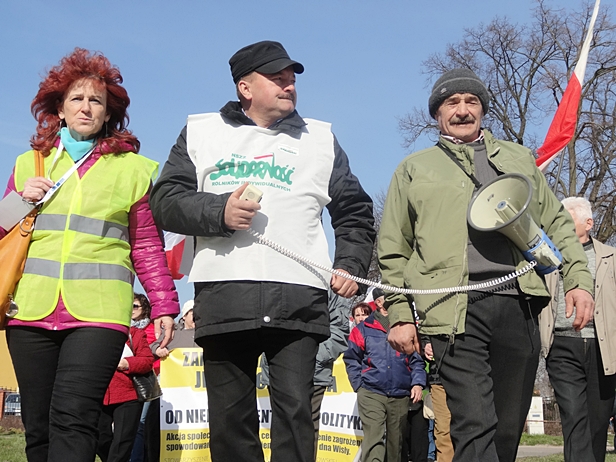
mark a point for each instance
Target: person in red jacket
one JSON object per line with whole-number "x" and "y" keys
{"x": 385, "y": 381}
{"x": 120, "y": 405}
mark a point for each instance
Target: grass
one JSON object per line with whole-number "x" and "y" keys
{"x": 12, "y": 447}
{"x": 555, "y": 458}
{"x": 560, "y": 458}
{"x": 534, "y": 440}
{"x": 548, "y": 440}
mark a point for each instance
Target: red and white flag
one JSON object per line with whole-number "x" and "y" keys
{"x": 174, "y": 250}
{"x": 563, "y": 125}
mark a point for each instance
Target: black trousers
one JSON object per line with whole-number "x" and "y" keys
{"x": 230, "y": 362}
{"x": 63, "y": 376}
{"x": 585, "y": 396}
{"x": 152, "y": 432}
{"x": 116, "y": 445}
{"x": 415, "y": 443}
{"x": 488, "y": 375}
{"x": 317, "y": 399}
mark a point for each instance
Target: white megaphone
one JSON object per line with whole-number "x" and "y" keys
{"x": 501, "y": 205}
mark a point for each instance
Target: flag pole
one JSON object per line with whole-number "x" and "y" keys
{"x": 562, "y": 128}
{"x": 557, "y": 179}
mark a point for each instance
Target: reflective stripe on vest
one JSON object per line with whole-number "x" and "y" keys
{"x": 50, "y": 268}
{"x": 80, "y": 248}
{"x": 101, "y": 228}
{"x": 41, "y": 267}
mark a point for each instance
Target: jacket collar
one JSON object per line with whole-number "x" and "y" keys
{"x": 372, "y": 323}
{"x": 602, "y": 250}
{"x": 233, "y": 111}
{"x": 492, "y": 146}
{"x": 455, "y": 140}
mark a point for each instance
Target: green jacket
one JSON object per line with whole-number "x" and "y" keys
{"x": 423, "y": 235}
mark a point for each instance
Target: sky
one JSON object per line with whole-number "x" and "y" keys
{"x": 363, "y": 63}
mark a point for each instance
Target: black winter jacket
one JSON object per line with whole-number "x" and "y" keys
{"x": 223, "y": 307}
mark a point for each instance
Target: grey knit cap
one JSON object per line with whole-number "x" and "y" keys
{"x": 459, "y": 80}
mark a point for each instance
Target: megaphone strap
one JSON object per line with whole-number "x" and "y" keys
{"x": 455, "y": 160}
{"x": 387, "y": 288}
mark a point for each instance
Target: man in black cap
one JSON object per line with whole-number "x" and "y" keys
{"x": 250, "y": 299}
{"x": 378, "y": 297}
{"x": 486, "y": 342}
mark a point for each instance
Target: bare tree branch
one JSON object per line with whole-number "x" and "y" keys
{"x": 526, "y": 69}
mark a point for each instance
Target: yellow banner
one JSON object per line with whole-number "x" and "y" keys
{"x": 184, "y": 415}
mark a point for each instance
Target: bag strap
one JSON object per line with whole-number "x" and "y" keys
{"x": 455, "y": 160}
{"x": 27, "y": 224}
{"x": 39, "y": 163}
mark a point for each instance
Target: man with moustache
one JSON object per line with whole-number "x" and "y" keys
{"x": 486, "y": 342}
{"x": 250, "y": 299}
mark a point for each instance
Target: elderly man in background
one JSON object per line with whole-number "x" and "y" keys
{"x": 582, "y": 363}
{"x": 486, "y": 342}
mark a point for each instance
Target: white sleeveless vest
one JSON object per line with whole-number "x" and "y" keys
{"x": 292, "y": 170}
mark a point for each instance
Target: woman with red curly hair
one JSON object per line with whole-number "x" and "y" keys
{"x": 94, "y": 231}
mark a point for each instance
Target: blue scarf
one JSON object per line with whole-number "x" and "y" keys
{"x": 76, "y": 149}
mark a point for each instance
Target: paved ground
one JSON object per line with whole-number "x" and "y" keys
{"x": 539, "y": 450}
{"x": 543, "y": 450}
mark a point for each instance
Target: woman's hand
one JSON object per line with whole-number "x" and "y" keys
{"x": 123, "y": 365}
{"x": 162, "y": 353}
{"x": 167, "y": 323}
{"x": 35, "y": 188}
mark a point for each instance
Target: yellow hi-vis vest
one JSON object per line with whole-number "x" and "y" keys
{"x": 80, "y": 245}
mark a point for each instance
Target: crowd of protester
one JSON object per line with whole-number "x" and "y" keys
{"x": 77, "y": 347}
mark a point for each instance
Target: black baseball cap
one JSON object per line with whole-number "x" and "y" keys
{"x": 377, "y": 293}
{"x": 266, "y": 57}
